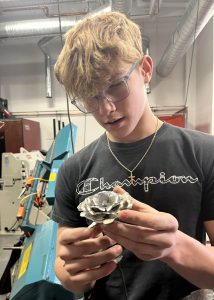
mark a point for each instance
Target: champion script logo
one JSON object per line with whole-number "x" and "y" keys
{"x": 91, "y": 185}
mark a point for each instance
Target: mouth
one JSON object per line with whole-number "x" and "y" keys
{"x": 116, "y": 121}
{"x": 114, "y": 124}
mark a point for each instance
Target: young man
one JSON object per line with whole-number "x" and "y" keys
{"x": 168, "y": 170}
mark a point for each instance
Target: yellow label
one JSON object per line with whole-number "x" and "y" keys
{"x": 25, "y": 261}
{"x": 52, "y": 177}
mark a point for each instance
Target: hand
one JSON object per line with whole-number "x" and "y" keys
{"x": 87, "y": 254}
{"x": 146, "y": 232}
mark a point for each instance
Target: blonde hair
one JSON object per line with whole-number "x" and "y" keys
{"x": 92, "y": 49}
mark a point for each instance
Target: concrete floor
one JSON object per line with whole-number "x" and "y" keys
{"x": 6, "y": 241}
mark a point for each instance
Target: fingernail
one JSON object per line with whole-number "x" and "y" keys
{"x": 118, "y": 259}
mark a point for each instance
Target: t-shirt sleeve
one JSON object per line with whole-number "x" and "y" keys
{"x": 65, "y": 210}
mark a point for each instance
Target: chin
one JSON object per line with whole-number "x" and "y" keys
{"x": 121, "y": 136}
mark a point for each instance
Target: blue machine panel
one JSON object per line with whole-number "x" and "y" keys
{"x": 36, "y": 264}
{"x": 50, "y": 192}
{"x": 37, "y": 259}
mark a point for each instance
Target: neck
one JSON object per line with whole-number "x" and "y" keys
{"x": 132, "y": 176}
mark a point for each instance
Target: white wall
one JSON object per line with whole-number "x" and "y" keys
{"x": 167, "y": 91}
{"x": 22, "y": 82}
{"x": 200, "y": 96}
{"x": 204, "y": 79}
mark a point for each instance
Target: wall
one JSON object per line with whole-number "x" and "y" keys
{"x": 204, "y": 79}
{"x": 200, "y": 96}
{"x": 22, "y": 82}
{"x": 168, "y": 91}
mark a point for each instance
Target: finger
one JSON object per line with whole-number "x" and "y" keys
{"x": 145, "y": 250}
{"x": 119, "y": 190}
{"x": 136, "y": 234}
{"x": 136, "y": 205}
{"x": 140, "y": 206}
{"x": 94, "y": 245}
{"x": 94, "y": 274}
{"x": 85, "y": 247}
{"x": 71, "y": 235}
{"x": 93, "y": 261}
{"x": 156, "y": 221}
{"x": 142, "y": 250}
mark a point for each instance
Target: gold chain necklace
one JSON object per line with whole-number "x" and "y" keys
{"x": 132, "y": 177}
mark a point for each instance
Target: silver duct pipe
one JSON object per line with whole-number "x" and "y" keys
{"x": 34, "y": 27}
{"x": 48, "y": 78}
{"x": 43, "y": 27}
{"x": 152, "y": 7}
{"x": 12, "y": 3}
{"x": 184, "y": 35}
{"x": 123, "y": 6}
{"x": 40, "y": 27}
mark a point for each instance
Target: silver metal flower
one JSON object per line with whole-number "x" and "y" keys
{"x": 103, "y": 207}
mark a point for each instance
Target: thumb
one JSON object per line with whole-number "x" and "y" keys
{"x": 142, "y": 207}
{"x": 136, "y": 205}
{"x": 119, "y": 190}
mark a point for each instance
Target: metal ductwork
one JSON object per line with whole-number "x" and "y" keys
{"x": 48, "y": 79}
{"x": 123, "y": 6}
{"x": 12, "y": 3}
{"x": 185, "y": 33}
{"x": 42, "y": 27}
{"x": 34, "y": 27}
{"x": 152, "y": 7}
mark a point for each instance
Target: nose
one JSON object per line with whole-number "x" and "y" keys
{"x": 106, "y": 106}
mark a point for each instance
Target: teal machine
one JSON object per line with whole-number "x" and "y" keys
{"x": 35, "y": 278}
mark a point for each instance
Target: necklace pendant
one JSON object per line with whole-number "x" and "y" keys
{"x": 132, "y": 177}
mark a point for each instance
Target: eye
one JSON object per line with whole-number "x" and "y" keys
{"x": 116, "y": 85}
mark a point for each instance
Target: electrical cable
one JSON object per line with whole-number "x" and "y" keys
{"x": 67, "y": 100}
{"x": 123, "y": 280}
{"x": 11, "y": 228}
{"x": 41, "y": 179}
{"x": 37, "y": 215}
{"x": 191, "y": 61}
{"x": 22, "y": 200}
{"x": 84, "y": 130}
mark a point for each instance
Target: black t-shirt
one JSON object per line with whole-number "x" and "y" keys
{"x": 176, "y": 176}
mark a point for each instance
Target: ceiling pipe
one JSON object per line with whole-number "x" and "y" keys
{"x": 34, "y": 27}
{"x": 48, "y": 78}
{"x": 185, "y": 33}
{"x": 152, "y": 7}
{"x": 123, "y": 6}
{"x": 45, "y": 9}
{"x": 12, "y": 3}
{"x": 39, "y": 27}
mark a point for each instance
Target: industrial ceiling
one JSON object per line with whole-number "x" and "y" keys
{"x": 39, "y": 19}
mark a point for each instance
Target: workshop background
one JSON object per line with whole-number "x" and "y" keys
{"x": 30, "y": 33}
{"x": 178, "y": 34}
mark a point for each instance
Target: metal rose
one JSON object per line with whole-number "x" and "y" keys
{"x": 103, "y": 207}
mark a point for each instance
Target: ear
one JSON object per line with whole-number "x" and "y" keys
{"x": 146, "y": 68}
